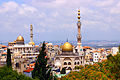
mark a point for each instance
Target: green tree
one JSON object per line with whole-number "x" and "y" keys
{"x": 9, "y": 64}
{"x": 41, "y": 71}
{"x": 9, "y": 74}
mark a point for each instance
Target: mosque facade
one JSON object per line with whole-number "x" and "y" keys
{"x": 71, "y": 56}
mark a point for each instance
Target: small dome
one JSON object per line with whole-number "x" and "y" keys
{"x": 67, "y": 47}
{"x": 20, "y": 38}
{"x": 31, "y": 43}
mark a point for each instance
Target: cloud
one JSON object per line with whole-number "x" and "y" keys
{"x": 59, "y": 16}
{"x": 104, "y": 3}
{"x": 115, "y": 9}
{"x": 9, "y": 6}
{"x": 25, "y": 9}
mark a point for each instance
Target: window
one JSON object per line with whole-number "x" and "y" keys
{"x": 65, "y": 63}
{"x": 80, "y": 49}
{"x": 24, "y": 66}
{"x": 69, "y": 68}
{"x": 78, "y": 63}
{"x": 81, "y": 62}
{"x": 76, "y": 50}
{"x": 69, "y": 63}
{"x": 75, "y": 63}
{"x": 17, "y": 65}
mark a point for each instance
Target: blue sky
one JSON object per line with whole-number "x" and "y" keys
{"x": 56, "y": 19}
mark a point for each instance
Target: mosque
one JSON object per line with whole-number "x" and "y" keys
{"x": 23, "y": 54}
{"x": 71, "y": 56}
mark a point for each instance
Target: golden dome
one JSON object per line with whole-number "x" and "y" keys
{"x": 20, "y": 38}
{"x": 67, "y": 47}
{"x": 78, "y": 10}
{"x": 31, "y": 43}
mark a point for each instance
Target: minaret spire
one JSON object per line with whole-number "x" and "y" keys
{"x": 79, "y": 29}
{"x": 31, "y": 33}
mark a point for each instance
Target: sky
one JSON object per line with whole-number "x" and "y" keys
{"x": 57, "y": 19}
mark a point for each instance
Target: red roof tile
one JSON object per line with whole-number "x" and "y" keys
{"x": 86, "y": 47}
{"x": 3, "y": 46}
{"x": 29, "y": 70}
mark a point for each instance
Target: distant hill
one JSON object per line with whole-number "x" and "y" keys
{"x": 92, "y": 43}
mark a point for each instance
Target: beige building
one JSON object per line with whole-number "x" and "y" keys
{"x": 23, "y": 54}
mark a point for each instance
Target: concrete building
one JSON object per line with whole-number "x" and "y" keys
{"x": 96, "y": 56}
{"x": 3, "y": 55}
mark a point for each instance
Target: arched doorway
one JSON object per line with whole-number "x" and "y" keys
{"x": 69, "y": 68}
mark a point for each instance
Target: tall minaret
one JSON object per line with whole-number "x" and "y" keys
{"x": 79, "y": 28}
{"x": 31, "y": 33}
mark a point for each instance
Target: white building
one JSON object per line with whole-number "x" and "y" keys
{"x": 96, "y": 56}
{"x": 114, "y": 50}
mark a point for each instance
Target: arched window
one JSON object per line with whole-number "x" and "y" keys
{"x": 69, "y": 63}
{"x": 65, "y": 63}
{"x": 78, "y": 63}
{"x": 75, "y": 63}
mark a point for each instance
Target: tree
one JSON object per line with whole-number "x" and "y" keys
{"x": 9, "y": 74}
{"x": 40, "y": 70}
{"x": 106, "y": 70}
{"x": 9, "y": 64}
{"x": 63, "y": 71}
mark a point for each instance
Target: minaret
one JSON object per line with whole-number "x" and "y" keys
{"x": 31, "y": 33}
{"x": 79, "y": 28}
